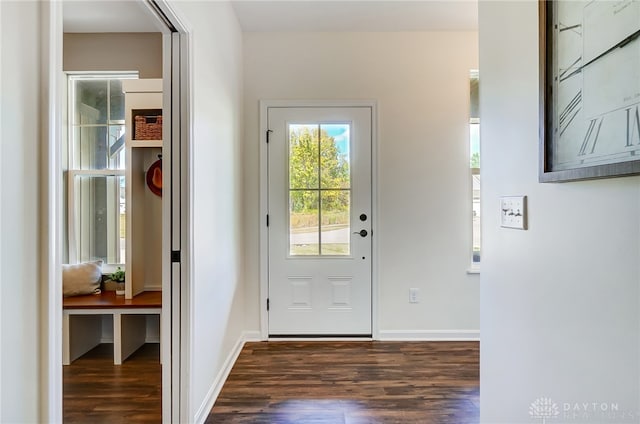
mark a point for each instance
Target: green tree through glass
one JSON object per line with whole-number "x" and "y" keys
{"x": 319, "y": 180}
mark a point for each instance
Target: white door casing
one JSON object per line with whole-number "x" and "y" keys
{"x": 320, "y": 276}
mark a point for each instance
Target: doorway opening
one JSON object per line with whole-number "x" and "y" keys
{"x": 170, "y": 94}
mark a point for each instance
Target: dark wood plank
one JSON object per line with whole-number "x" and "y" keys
{"x": 96, "y": 391}
{"x": 352, "y": 383}
{"x": 108, "y": 299}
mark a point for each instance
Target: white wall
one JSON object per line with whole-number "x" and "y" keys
{"x": 421, "y": 81}
{"x": 217, "y": 297}
{"x": 560, "y": 307}
{"x": 19, "y": 249}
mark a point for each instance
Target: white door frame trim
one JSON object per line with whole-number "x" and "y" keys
{"x": 264, "y": 205}
{"x": 177, "y": 276}
{"x": 52, "y": 88}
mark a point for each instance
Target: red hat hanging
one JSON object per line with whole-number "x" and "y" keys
{"x": 154, "y": 177}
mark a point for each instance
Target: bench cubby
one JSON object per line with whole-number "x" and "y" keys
{"x": 135, "y": 322}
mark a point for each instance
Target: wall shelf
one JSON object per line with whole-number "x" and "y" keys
{"x": 145, "y": 143}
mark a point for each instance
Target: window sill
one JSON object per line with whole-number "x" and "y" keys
{"x": 473, "y": 269}
{"x": 110, "y": 268}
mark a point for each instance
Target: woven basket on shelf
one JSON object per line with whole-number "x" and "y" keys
{"x": 148, "y": 127}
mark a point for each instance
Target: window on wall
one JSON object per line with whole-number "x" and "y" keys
{"x": 96, "y": 166}
{"x": 474, "y": 166}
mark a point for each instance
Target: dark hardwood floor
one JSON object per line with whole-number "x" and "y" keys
{"x": 352, "y": 383}
{"x": 293, "y": 382}
{"x": 96, "y": 391}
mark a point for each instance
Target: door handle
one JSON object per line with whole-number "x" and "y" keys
{"x": 363, "y": 233}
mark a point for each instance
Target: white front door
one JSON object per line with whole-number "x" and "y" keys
{"x": 319, "y": 230}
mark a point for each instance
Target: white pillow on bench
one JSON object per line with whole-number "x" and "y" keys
{"x": 79, "y": 279}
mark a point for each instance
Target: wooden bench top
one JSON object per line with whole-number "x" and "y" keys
{"x": 109, "y": 300}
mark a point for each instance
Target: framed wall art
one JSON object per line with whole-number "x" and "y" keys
{"x": 590, "y": 89}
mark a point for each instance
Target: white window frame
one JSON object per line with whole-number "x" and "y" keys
{"x": 474, "y": 267}
{"x": 73, "y": 213}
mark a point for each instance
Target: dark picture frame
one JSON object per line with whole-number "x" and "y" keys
{"x": 548, "y": 108}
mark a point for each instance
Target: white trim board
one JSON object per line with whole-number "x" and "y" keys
{"x": 221, "y": 378}
{"x": 252, "y": 336}
{"x": 50, "y": 324}
{"x": 429, "y": 335}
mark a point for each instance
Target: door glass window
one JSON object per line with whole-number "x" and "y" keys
{"x": 319, "y": 189}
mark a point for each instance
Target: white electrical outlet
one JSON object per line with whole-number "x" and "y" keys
{"x": 413, "y": 295}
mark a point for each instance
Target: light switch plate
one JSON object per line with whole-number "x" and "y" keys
{"x": 513, "y": 212}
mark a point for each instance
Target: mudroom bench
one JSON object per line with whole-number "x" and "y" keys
{"x": 83, "y": 322}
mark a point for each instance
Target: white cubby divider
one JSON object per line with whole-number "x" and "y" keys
{"x": 143, "y": 97}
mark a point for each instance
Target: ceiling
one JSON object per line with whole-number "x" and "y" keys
{"x": 291, "y": 15}
{"x": 107, "y": 16}
{"x": 357, "y": 15}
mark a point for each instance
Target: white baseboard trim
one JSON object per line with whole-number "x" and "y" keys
{"x": 216, "y": 387}
{"x": 154, "y": 287}
{"x": 252, "y": 336}
{"x": 429, "y": 335}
